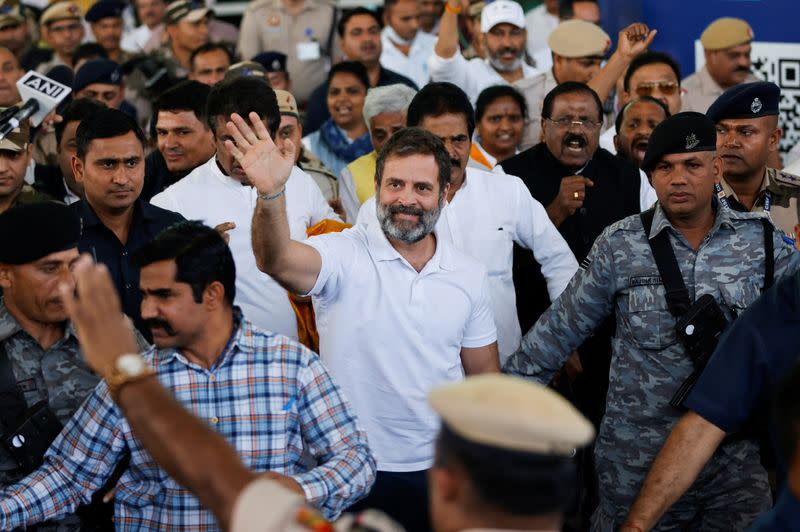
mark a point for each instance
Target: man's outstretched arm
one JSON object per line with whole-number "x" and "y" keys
{"x": 690, "y": 445}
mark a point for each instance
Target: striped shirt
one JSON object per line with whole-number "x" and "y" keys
{"x": 270, "y": 397}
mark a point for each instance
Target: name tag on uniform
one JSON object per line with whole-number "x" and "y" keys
{"x": 646, "y": 280}
{"x": 308, "y": 51}
{"x": 28, "y": 385}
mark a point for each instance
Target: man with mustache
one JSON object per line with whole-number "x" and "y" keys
{"x": 487, "y": 214}
{"x": 268, "y": 396}
{"x": 719, "y": 254}
{"x": 504, "y": 37}
{"x": 726, "y": 43}
{"x": 219, "y": 193}
{"x": 398, "y": 310}
{"x": 109, "y": 164}
{"x": 635, "y": 123}
{"x": 746, "y": 116}
{"x": 360, "y": 40}
{"x": 15, "y": 156}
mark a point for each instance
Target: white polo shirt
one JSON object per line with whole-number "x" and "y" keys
{"x": 389, "y": 334}
{"x": 471, "y": 76}
{"x": 488, "y": 214}
{"x": 414, "y": 65}
{"x": 208, "y": 195}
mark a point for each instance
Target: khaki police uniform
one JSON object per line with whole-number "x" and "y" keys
{"x": 267, "y": 26}
{"x": 55, "y": 12}
{"x": 573, "y": 39}
{"x": 700, "y": 88}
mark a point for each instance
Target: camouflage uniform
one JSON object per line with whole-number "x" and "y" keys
{"x": 649, "y": 364}
{"x": 58, "y": 375}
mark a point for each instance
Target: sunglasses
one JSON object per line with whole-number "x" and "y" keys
{"x": 667, "y": 88}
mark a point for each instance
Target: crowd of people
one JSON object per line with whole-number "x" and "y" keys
{"x": 393, "y": 268}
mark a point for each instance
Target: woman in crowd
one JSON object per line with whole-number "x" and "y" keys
{"x": 500, "y": 117}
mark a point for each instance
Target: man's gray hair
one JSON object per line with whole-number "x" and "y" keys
{"x": 387, "y": 99}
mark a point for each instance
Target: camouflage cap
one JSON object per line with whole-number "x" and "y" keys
{"x": 245, "y": 69}
{"x": 64, "y": 10}
{"x": 726, "y": 32}
{"x": 191, "y": 10}
{"x": 31, "y": 231}
{"x": 511, "y": 414}
{"x": 286, "y": 103}
{"x": 681, "y": 133}
{"x": 10, "y": 14}
{"x": 18, "y": 139}
{"x": 578, "y": 38}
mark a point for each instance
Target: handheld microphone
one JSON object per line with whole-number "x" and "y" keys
{"x": 40, "y": 94}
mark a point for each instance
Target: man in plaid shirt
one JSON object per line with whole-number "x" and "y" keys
{"x": 270, "y": 397}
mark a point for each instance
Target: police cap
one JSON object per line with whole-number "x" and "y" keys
{"x": 31, "y": 231}
{"x": 10, "y": 14}
{"x": 286, "y": 103}
{"x": 746, "y": 100}
{"x": 578, "y": 38}
{"x": 105, "y": 9}
{"x": 61, "y": 11}
{"x": 271, "y": 61}
{"x": 726, "y": 32}
{"x": 512, "y": 414}
{"x": 97, "y": 71}
{"x": 246, "y": 69}
{"x": 681, "y": 133}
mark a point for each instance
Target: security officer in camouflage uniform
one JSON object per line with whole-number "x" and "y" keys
{"x": 37, "y": 344}
{"x": 719, "y": 252}
{"x": 747, "y": 135}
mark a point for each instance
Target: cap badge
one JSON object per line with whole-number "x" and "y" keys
{"x": 276, "y": 65}
{"x": 274, "y": 20}
{"x": 756, "y": 105}
{"x": 115, "y": 74}
{"x": 692, "y": 141}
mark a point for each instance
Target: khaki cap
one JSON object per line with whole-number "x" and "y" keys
{"x": 188, "y": 9}
{"x": 578, "y": 38}
{"x": 286, "y": 103}
{"x": 10, "y": 14}
{"x": 726, "y": 32}
{"x": 18, "y": 139}
{"x": 512, "y": 414}
{"x": 61, "y": 11}
{"x": 476, "y": 8}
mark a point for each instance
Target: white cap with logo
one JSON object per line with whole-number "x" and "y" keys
{"x": 501, "y": 11}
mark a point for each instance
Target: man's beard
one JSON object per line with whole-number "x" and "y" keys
{"x": 404, "y": 231}
{"x": 498, "y": 65}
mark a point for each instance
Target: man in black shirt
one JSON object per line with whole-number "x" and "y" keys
{"x": 360, "y": 40}
{"x": 109, "y": 163}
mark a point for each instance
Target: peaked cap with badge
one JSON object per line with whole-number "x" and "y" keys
{"x": 271, "y": 61}
{"x": 747, "y": 100}
{"x": 726, "y": 32}
{"x": 578, "y": 38}
{"x": 60, "y": 11}
{"x": 97, "y": 71}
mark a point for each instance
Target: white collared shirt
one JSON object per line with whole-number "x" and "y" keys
{"x": 389, "y": 334}
{"x": 539, "y": 24}
{"x": 488, "y": 214}
{"x": 471, "y": 76}
{"x": 208, "y": 195}
{"x": 414, "y": 65}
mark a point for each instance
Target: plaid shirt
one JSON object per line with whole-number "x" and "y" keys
{"x": 270, "y": 397}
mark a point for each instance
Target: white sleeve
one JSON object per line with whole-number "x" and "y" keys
{"x": 335, "y": 251}
{"x": 536, "y": 232}
{"x": 647, "y": 194}
{"x": 367, "y": 214}
{"x": 455, "y": 70}
{"x": 481, "y": 330}
{"x": 347, "y": 193}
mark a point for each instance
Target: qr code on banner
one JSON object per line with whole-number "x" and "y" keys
{"x": 779, "y": 63}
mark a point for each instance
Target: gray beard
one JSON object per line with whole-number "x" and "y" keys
{"x": 403, "y": 233}
{"x": 502, "y": 67}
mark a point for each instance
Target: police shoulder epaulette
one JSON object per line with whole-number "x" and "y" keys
{"x": 786, "y": 179}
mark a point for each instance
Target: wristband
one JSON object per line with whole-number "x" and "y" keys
{"x": 451, "y": 9}
{"x": 268, "y": 197}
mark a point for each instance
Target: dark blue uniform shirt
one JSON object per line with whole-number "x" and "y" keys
{"x": 97, "y": 239}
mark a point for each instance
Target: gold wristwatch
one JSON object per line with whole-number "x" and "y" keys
{"x": 127, "y": 368}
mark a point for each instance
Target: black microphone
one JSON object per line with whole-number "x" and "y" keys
{"x": 11, "y": 123}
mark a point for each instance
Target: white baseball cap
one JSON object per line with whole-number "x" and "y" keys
{"x": 501, "y": 11}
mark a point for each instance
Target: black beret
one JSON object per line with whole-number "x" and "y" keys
{"x": 104, "y": 9}
{"x": 271, "y": 61}
{"x": 681, "y": 133}
{"x": 31, "y": 231}
{"x": 747, "y": 100}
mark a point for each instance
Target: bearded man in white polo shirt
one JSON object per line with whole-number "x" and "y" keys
{"x": 487, "y": 213}
{"x": 220, "y": 194}
{"x": 399, "y": 310}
